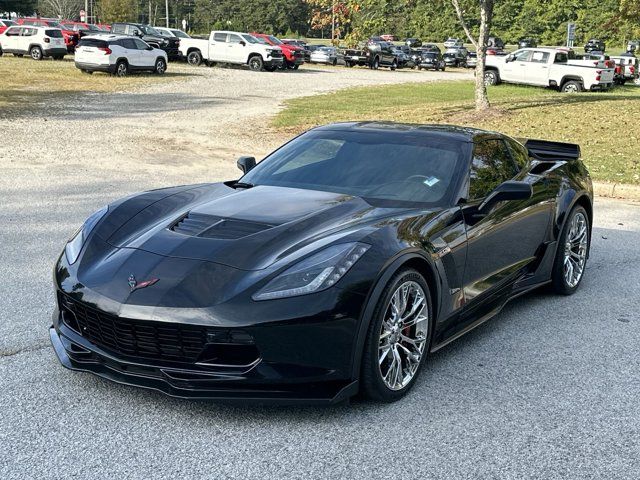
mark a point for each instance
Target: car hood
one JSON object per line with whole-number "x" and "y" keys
{"x": 248, "y": 229}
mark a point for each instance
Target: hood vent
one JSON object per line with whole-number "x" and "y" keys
{"x": 209, "y": 226}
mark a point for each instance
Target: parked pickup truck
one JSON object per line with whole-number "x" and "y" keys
{"x": 234, "y": 48}
{"x": 546, "y": 67}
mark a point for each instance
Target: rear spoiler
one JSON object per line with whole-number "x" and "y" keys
{"x": 545, "y": 150}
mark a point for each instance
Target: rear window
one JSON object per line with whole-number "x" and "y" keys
{"x": 92, "y": 42}
{"x": 53, "y": 33}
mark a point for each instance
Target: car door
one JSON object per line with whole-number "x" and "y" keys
{"x": 236, "y": 49}
{"x": 10, "y": 39}
{"x": 147, "y": 57}
{"x": 514, "y": 70}
{"x": 132, "y": 52}
{"x": 218, "y": 47}
{"x": 27, "y": 36}
{"x": 503, "y": 239}
{"x": 537, "y": 70}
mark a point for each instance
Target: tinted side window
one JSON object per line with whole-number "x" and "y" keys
{"x": 13, "y": 32}
{"x": 220, "y": 37}
{"x": 140, "y": 45}
{"x": 234, "y": 39}
{"x": 54, "y": 33}
{"x": 519, "y": 153}
{"x": 128, "y": 43}
{"x": 491, "y": 166}
{"x": 117, "y": 28}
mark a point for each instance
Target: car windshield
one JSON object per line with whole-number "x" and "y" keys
{"x": 180, "y": 34}
{"x": 251, "y": 39}
{"x": 274, "y": 40}
{"x": 395, "y": 168}
{"x": 150, "y": 30}
{"x": 8, "y": 23}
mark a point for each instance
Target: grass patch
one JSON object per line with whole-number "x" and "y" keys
{"x": 26, "y": 81}
{"x": 602, "y": 123}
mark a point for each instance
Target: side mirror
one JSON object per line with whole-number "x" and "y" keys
{"x": 243, "y": 43}
{"x": 246, "y": 163}
{"x": 510, "y": 190}
{"x": 149, "y": 48}
{"x": 509, "y": 58}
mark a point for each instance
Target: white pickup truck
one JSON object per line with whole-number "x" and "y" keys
{"x": 233, "y": 48}
{"x": 547, "y": 67}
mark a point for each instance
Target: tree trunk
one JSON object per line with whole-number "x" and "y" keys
{"x": 486, "y": 16}
{"x": 486, "y": 13}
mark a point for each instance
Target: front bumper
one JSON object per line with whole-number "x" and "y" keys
{"x": 307, "y": 359}
{"x": 274, "y": 61}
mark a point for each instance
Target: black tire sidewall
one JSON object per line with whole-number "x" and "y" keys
{"x": 559, "y": 283}
{"x": 372, "y": 384}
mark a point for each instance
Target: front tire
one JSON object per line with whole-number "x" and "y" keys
{"x": 256, "y": 63}
{"x": 36, "y": 53}
{"x": 160, "y": 66}
{"x": 398, "y": 337}
{"x": 376, "y": 63}
{"x": 394, "y": 65}
{"x": 572, "y": 252}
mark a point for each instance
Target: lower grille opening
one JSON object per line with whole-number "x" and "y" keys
{"x": 162, "y": 341}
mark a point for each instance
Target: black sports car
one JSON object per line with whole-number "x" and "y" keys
{"x": 333, "y": 266}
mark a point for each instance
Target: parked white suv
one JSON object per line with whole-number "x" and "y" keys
{"x": 118, "y": 55}
{"x": 233, "y": 48}
{"x": 38, "y": 42}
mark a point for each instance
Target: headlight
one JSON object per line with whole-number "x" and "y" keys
{"x": 315, "y": 273}
{"x": 74, "y": 245}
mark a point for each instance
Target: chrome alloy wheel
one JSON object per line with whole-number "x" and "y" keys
{"x": 575, "y": 250}
{"x": 403, "y": 335}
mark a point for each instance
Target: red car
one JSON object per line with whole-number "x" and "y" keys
{"x": 81, "y": 28}
{"x": 70, "y": 37}
{"x": 4, "y": 24}
{"x": 293, "y": 55}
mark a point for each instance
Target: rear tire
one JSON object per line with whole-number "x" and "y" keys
{"x": 491, "y": 78}
{"x": 255, "y": 63}
{"x": 36, "y": 53}
{"x": 386, "y": 330}
{"x": 572, "y": 86}
{"x": 572, "y": 252}
{"x": 376, "y": 63}
{"x": 122, "y": 69}
{"x": 194, "y": 58}
{"x": 394, "y": 65}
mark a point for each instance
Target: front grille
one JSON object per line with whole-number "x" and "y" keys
{"x": 138, "y": 338}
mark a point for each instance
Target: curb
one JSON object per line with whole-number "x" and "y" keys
{"x": 617, "y": 190}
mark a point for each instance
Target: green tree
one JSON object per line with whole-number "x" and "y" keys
{"x": 110, "y": 11}
{"x": 21, "y": 7}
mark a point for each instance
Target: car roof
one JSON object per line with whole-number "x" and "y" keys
{"x": 465, "y": 134}
{"x": 39, "y": 27}
{"x": 106, "y": 36}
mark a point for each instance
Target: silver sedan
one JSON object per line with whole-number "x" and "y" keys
{"x": 327, "y": 55}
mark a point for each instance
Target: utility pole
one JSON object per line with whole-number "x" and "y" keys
{"x": 333, "y": 20}
{"x": 166, "y": 11}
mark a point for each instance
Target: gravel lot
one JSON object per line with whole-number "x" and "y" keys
{"x": 548, "y": 389}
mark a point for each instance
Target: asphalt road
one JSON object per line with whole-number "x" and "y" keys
{"x": 547, "y": 389}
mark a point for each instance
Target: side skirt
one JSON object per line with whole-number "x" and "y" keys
{"x": 490, "y": 314}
